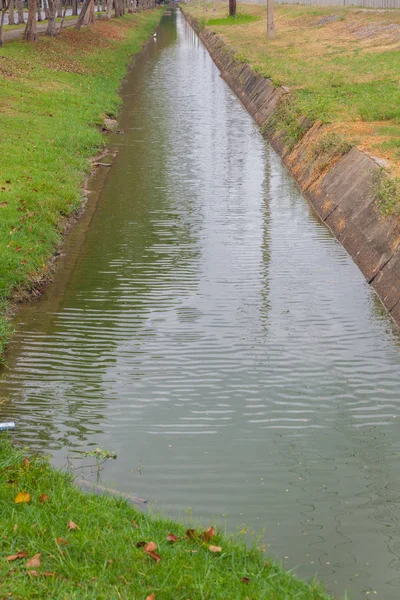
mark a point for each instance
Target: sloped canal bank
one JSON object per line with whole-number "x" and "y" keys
{"x": 205, "y": 325}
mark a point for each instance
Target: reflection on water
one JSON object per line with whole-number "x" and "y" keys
{"x": 205, "y": 324}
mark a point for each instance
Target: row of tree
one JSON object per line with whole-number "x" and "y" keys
{"x": 54, "y": 8}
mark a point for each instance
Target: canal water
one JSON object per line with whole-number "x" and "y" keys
{"x": 206, "y": 327}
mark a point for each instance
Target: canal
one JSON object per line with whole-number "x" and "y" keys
{"x": 206, "y": 327}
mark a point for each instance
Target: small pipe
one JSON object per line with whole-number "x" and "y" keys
{"x": 7, "y": 426}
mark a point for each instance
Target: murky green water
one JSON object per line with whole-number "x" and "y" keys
{"x": 205, "y": 325}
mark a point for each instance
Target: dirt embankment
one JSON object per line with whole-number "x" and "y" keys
{"x": 340, "y": 189}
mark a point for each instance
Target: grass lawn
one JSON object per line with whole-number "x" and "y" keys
{"x": 64, "y": 543}
{"x": 342, "y": 65}
{"x": 54, "y": 96}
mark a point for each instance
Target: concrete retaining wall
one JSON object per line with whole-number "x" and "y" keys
{"x": 342, "y": 195}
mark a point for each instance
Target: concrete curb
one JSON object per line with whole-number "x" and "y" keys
{"x": 342, "y": 195}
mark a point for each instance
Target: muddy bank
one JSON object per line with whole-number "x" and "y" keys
{"x": 341, "y": 193}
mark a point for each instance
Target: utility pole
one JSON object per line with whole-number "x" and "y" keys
{"x": 270, "y": 19}
{"x": 232, "y": 8}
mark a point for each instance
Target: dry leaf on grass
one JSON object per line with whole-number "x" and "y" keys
{"x": 208, "y": 534}
{"x": 18, "y": 555}
{"x": 72, "y": 525}
{"x": 26, "y": 463}
{"x": 22, "y": 497}
{"x": 215, "y": 548}
{"x": 172, "y": 538}
{"x": 136, "y": 526}
{"x": 61, "y": 541}
{"x": 43, "y": 498}
{"x": 33, "y": 573}
{"x": 34, "y": 561}
{"x": 150, "y": 547}
{"x": 151, "y": 597}
{"x": 191, "y": 533}
{"x": 246, "y": 580}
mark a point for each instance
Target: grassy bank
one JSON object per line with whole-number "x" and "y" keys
{"x": 87, "y": 546}
{"x": 341, "y": 64}
{"x": 54, "y": 96}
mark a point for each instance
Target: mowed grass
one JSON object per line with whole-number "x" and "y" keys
{"x": 342, "y": 65}
{"x": 54, "y": 96}
{"x": 104, "y": 557}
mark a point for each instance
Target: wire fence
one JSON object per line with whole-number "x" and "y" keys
{"x": 361, "y": 3}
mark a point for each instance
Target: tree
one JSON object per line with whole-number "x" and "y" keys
{"x": 30, "y": 33}
{"x": 51, "y": 24}
{"x": 11, "y": 18}
{"x": 20, "y": 9}
{"x": 232, "y": 8}
{"x": 109, "y": 9}
{"x": 82, "y": 14}
{"x": 4, "y": 9}
{"x": 270, "y": 19}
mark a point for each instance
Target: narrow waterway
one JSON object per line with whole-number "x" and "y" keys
{"x": 205, "y": 326}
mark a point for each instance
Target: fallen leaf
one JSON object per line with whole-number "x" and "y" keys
{"x": 48, "y": 574}
{"x": 155, "y": 556}
{"x": 191, "y": 533}
{"x": 267, "y": 563}
{"x": 215, "y": 548}
{"x": 150, "y": 547}
{"x": 61, "y": 541}
{"x": 22, "y": 497}
{"x": 33, "y": 573}
{"x": 18, "y": 555}
{"x": 15, "y": 527}
{"x": 172, "y": 538}
{"x": 43, "y": 498}
{"x": 208, "y": 534}
{"x": 72, "y": 525}
{"x": 246, "y": 580}
{"x": 136, "y": 526}
{"x": 34, "y": 561}
{"x": 140, "y": 544}
{"x": 151, "y": 597}
{"x": 26, "y": 463}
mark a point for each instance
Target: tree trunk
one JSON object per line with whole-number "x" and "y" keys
{"x": 30, "y": 33}
{"x": 75, "y": 7}
{"x": 51, "y": 25}
{"x": 117, "y": 6}
{"x": 46, "y": 9}
{"x": 91, "y": 13}
{"x": 4, "y": 7}
{"x": 11, "y": 17}
{"x": 82, "y": 14}
{"x": 59, "y": 9}
{"x": 39, "y": 12}
{"x": 109, "y": 9}
{"x": 232, "y": 8}
{"x": 20, "y": 9}
{"x": 270, "y": 19}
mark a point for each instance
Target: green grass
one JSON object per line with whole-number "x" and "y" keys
{"x": 104, "y": 558}
{"x": 238, "y": 19}
{"x": 387, "y": 192}
{"x": 53, "y": 98}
